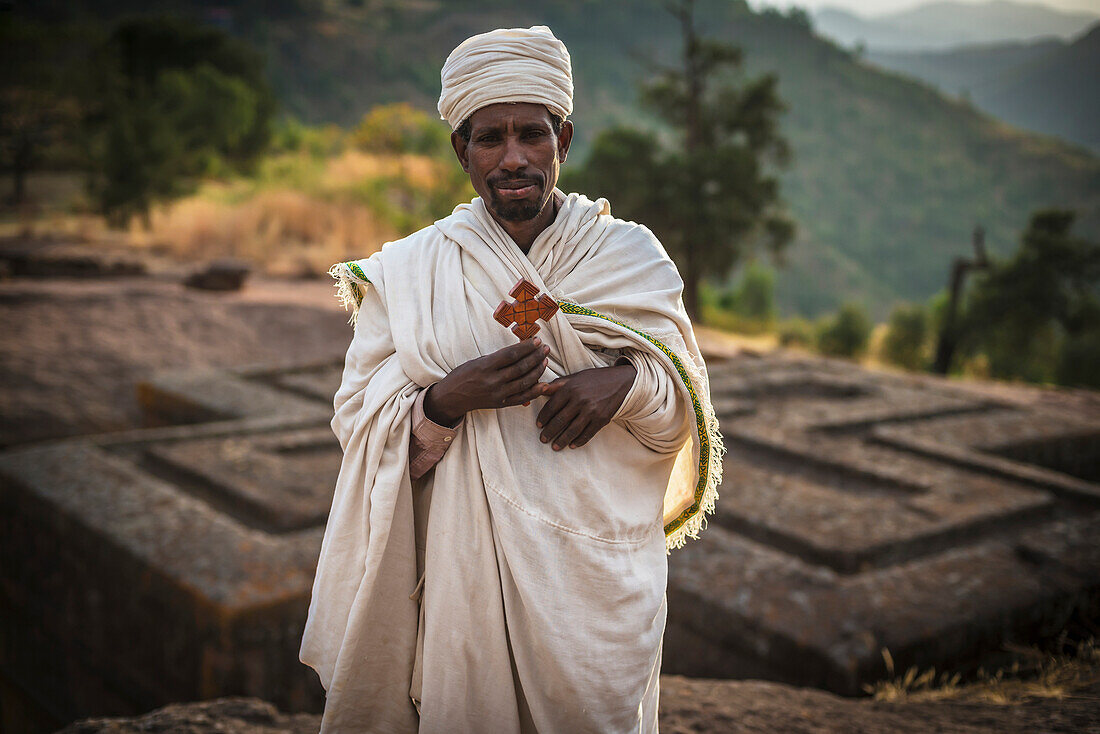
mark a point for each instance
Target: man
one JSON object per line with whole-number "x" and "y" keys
{"x": 495, "y": 556}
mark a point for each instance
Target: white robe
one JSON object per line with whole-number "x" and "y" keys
{"x": 541, "y": 605}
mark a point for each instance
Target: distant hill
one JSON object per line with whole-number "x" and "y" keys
{"x": 961, "y": 70}
{"x": 1050, "y": 86}
{"x": 941, "y": 25}
{"x": 888, "y": 179}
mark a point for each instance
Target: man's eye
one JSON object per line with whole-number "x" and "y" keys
{"x": 487, "y": 138}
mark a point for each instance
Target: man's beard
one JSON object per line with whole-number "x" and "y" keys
{"x": 517, "y": 211}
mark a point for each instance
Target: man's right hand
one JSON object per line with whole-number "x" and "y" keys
{"x": 509, "y": 376}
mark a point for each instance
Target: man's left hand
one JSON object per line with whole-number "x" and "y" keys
{"x": 581, "y": 404}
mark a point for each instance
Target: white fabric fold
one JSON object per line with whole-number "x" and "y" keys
{"x": 542, "y": 606}
{"x": 655, "y": 416}
{"x": 506, "y": 65}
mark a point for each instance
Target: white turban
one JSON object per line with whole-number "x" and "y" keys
{"x": 506, "y": 65}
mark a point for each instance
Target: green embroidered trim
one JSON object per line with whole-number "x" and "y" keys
{"x": 700, "y": 419}
{"x": 358, "y": 272}
{"x": 350, "y": 290}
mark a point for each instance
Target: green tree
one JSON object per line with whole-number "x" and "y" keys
{"x": 907, "y": 337}
{"x": 796, "y": 332}
{"x": 401, "y": 128}
{"x": 290, "y": 135}
{"x": 31, "y": 121}
{"x": 844, "y": 334}
{"x": 171, "y": 102}
{"x": 707, "y": 196}
{"x": 39, "y": 112}
{"x": 1035, "y": 315}
{"x": 1080, "y": 355}
{"x": 755, "y": 297}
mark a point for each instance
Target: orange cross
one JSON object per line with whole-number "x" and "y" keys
{"x": 525, "y": 310}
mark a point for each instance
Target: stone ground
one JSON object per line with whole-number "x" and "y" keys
{"x": 688, "y": 706}
{"x": 73, "y": 349}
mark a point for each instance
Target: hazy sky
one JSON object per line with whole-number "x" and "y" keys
{"x": 878, "y": 7}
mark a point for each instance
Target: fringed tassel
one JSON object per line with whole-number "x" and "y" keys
{"x": 348, "y": 289}
{"x": 701, "y": 386}
{"x": 698, "y": 522}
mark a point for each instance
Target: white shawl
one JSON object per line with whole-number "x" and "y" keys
{"x": 542, "y": 574}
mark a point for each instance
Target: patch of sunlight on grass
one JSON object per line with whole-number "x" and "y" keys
{"x": 1034, "y": 674}
{"x": 286, "y": 232}
{"x": 300, "y": 213}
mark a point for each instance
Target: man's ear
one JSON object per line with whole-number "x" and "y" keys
{"x": 459, "y": 144}
{"x": 565, "y": 137}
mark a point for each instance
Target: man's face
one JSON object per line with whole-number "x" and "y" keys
{"x": 513, "y": 157}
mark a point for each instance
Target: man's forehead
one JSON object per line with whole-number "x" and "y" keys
{"x": 520, "y": 114}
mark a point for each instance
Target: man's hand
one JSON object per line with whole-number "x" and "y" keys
{"x": 509, "y": 376}
{"x": 582, "y": 403}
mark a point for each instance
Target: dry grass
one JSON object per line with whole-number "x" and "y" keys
{"x": 296, "y": 215}
{"x": 1034, "y": 674}
{"x": 302, "y": 213}
{"x": 353, "y": 167}
{"x": 287, "y": 232}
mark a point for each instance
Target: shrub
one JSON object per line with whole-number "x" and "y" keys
{"x": 907, "y": 337}
{"x": 844, "y": 334}
{"x": 796, "y": 332}
{"x": 755, "y": 298}
{"x": 401, "y": 128}
{"x": 1079, "y": 359}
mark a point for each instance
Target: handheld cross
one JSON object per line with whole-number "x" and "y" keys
{"x": 526, "y": 310}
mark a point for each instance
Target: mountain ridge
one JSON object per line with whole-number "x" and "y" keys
{"x": 1046, "y": 86}
{"x": 947, "y": 23}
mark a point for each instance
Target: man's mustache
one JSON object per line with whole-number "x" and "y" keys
{"x": 517, "y": 181}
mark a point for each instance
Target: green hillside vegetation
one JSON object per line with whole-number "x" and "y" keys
{"x": 1056, "y": 94}
{"x": 959, "y": 70}
{"x": 1048, "y": 86}
{"x": 888, "y": 176}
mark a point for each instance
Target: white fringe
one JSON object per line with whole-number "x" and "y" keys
{"x": 707, "y": 504}
{"x": 698, "y": 522}
{"x": 346, "y": 289}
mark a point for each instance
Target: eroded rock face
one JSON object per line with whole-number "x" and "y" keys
{"x": 859, "y": 511}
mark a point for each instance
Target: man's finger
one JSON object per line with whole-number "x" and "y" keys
{"x": 527, "y": 379}
{"x": 587, "y": 434}
{"x": 559, "y": 423}
{"x": 515, "y": 352}
{"x": 574, "y": 429}
{"x": 554, "y": 385}
{"x": 553, "y": 405}
{"x": 521, "y": 367}
{"x": 524, "y": 387}
{"x": 526, "y": 396}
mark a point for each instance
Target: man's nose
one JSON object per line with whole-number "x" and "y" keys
{"x": 515, "y": 157}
